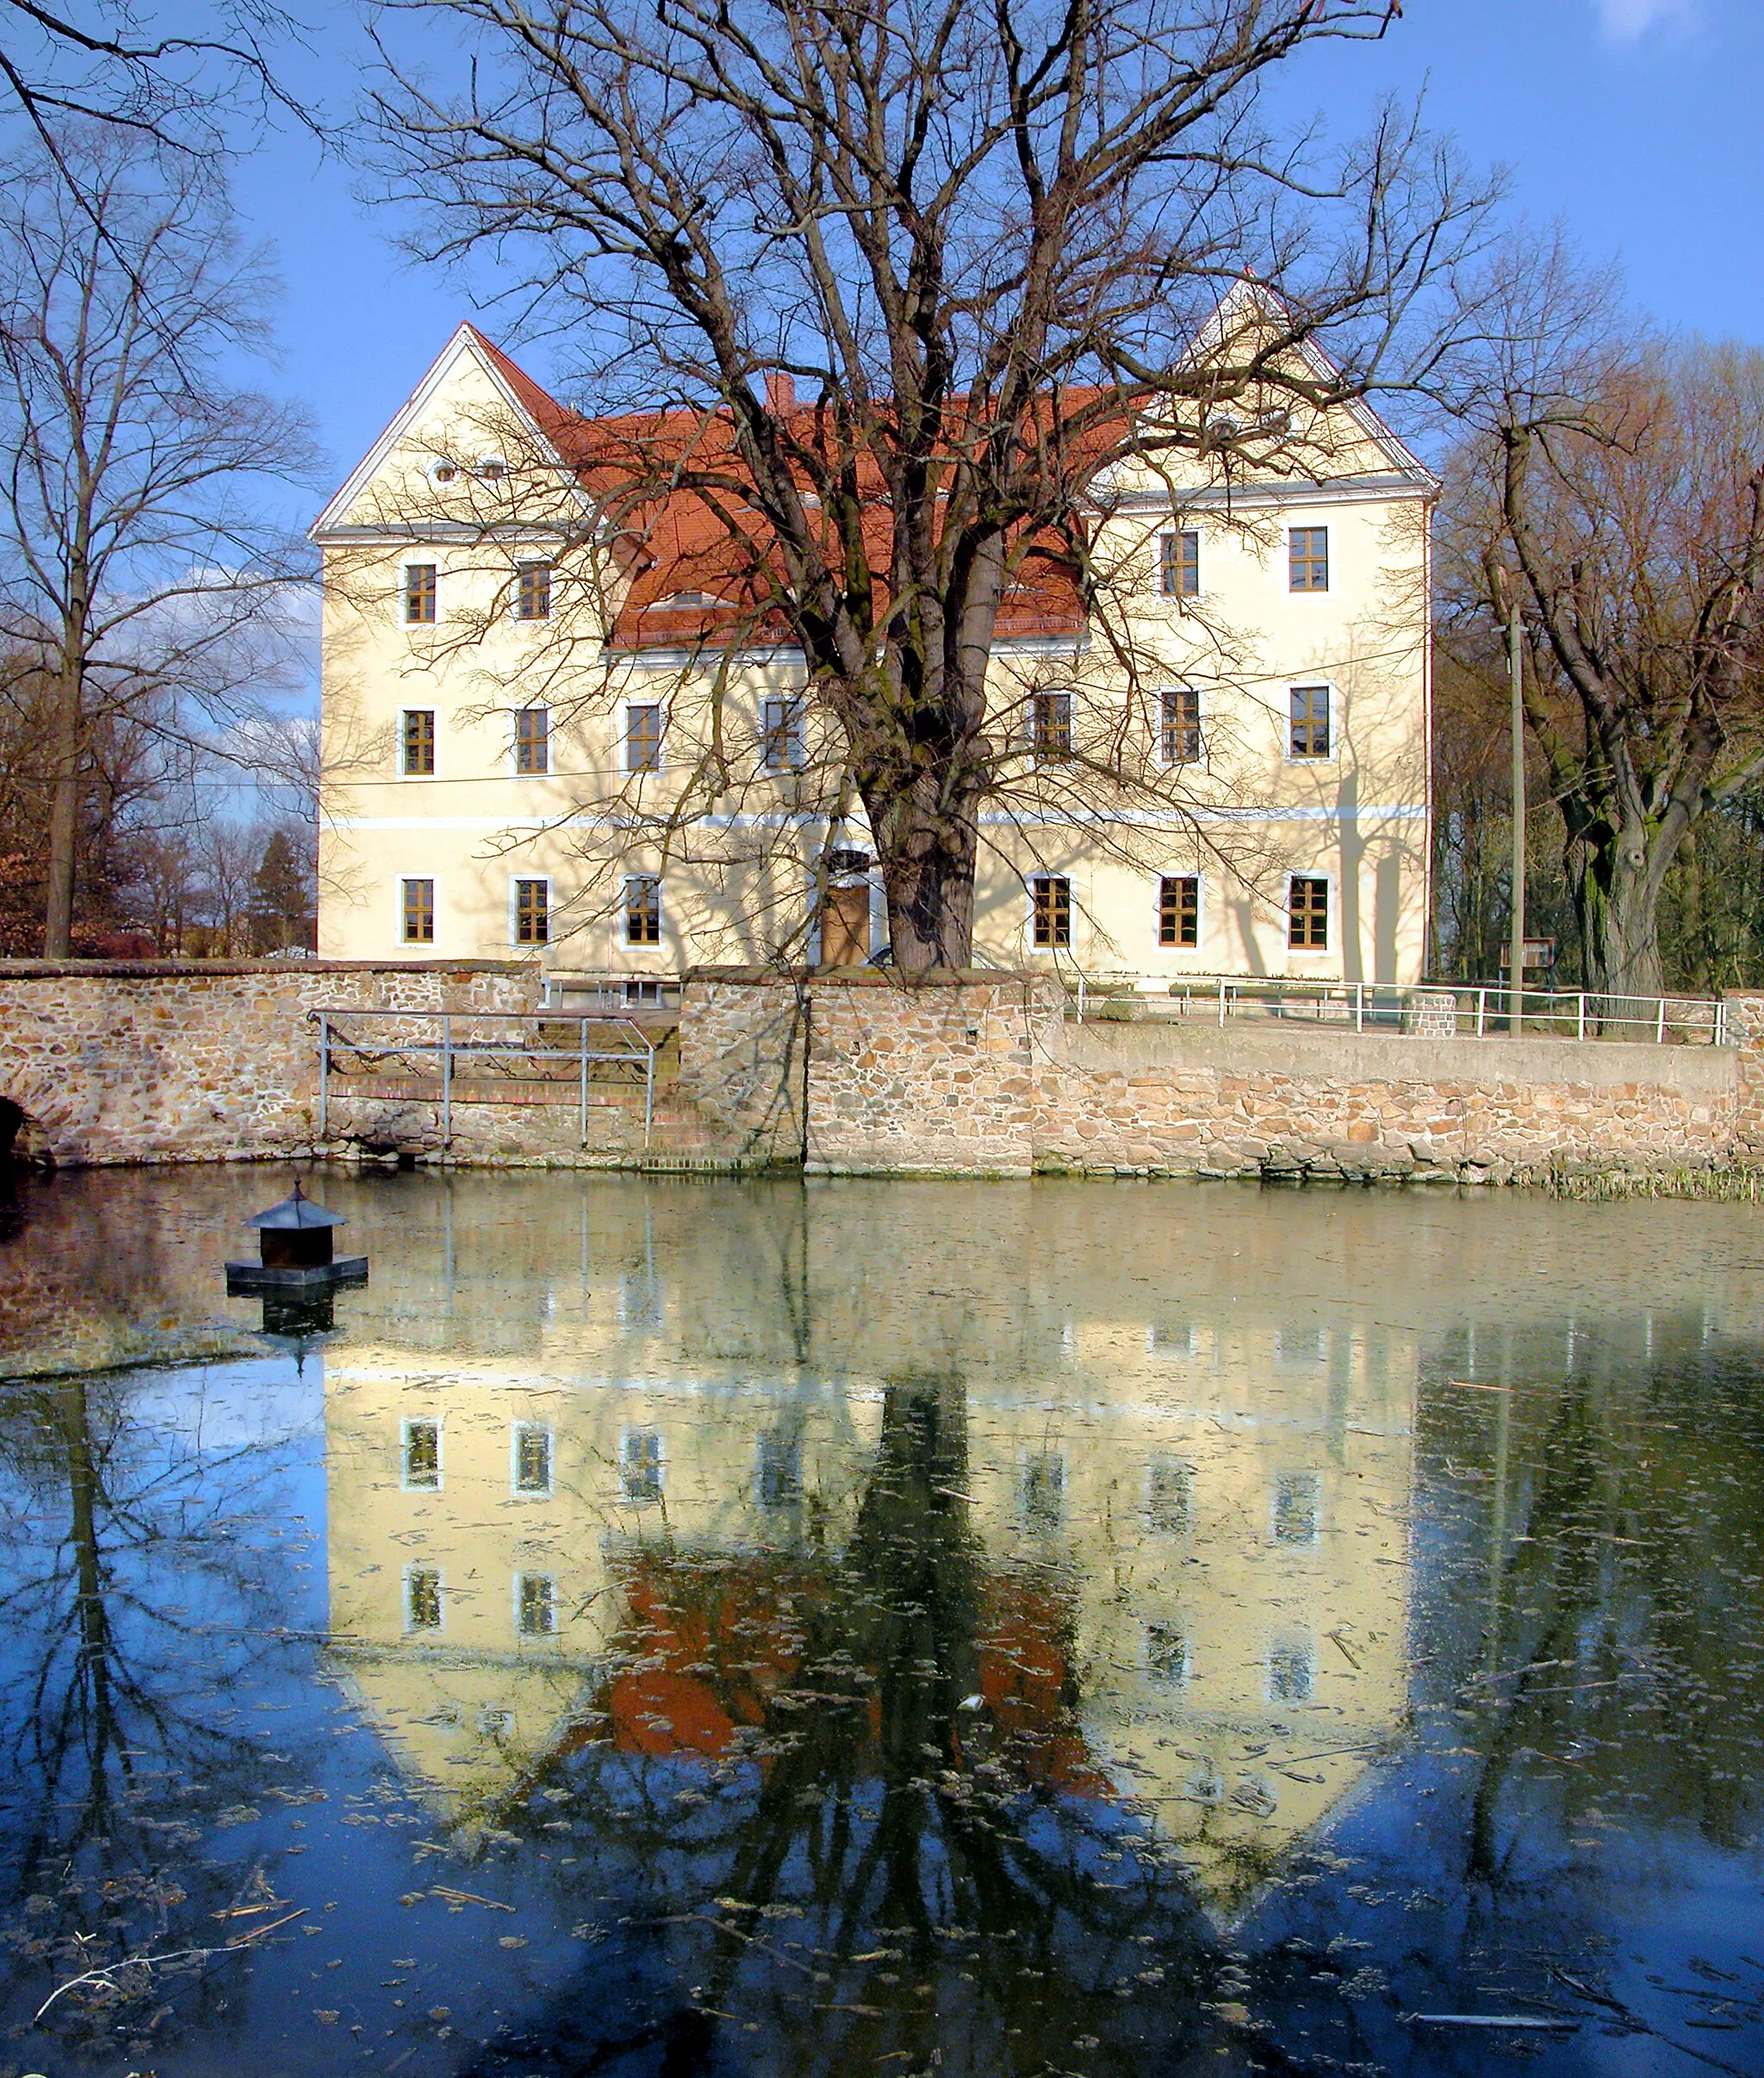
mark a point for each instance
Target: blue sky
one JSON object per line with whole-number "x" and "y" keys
{"x": 1635, "y": 122}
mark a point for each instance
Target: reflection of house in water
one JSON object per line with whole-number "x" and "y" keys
{"x": 1188, "y": 1533}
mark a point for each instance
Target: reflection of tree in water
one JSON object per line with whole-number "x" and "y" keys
{"x": 890, "y": 1850}
{"x": 128, "y": 1595}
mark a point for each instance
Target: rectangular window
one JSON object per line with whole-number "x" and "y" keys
{"x": 643, "y": 910}
{"x": 418, "y": 912}
{"x": 782, "y": 739}
{"x": 643, "y": 739}
{"x": 422, "y": 1455}
{"x": 418, "y": 742}
{"x": 1181, "y": 727}
{"x": 533, "y": 912}
{"x": 780, "y": 1471}
{"x": 1179, "y": 910}
{"x": 1308, "y": 553}
{"x": 1170, "y": 1496}
{"x": 1043, "y": 1493}
{"x": 1296, "y": 1515}
{"x": 1310, "y": 722}
{"x": 640, "y": 1464}
{"x": 1308, "y": 911}
{"x": 535, "y": 1604}
{"x": 1167, "y": 1653}
{"x": 532, "y": 1458}
{"x": 1051, "y": 716}
{"x": 532, "y": 591}
{"x": 418, "y": 593}
{"x": 1052, "y": 894}
{"x": 1179, "y": 564}
{"x": 532, "y": 740}
{"x": 422, "y": 1599}
{"x": 1292, "y": 1673}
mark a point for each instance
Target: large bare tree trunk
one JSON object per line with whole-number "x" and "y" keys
{"x": 1617, "y": 895}
{"x": 927, "y": 850}
{"x": 65, "y": 753}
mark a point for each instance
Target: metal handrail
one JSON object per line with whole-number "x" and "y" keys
{"x": 1477, "y": 1009}
{"x": 639, "y": 1053}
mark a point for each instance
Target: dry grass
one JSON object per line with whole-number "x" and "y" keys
{"x": 1727, "y": 1183}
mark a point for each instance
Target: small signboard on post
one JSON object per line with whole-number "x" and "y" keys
{"x": 1540, "y": 955}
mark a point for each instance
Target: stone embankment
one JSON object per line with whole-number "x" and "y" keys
{"x": 847, "y": 1073}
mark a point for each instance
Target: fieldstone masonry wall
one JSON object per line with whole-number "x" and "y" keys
{"x": 968, "y": 1074}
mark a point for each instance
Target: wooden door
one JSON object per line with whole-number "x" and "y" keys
{"x": 845, "y": 927}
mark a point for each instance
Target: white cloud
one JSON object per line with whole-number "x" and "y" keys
{"x": 1624, "y": 21}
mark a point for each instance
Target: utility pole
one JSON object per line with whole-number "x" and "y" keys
{"x": 1516, "y": 669}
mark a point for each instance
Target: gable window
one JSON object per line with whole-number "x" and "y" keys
{"x": 1170, "y": 1496}
{"x": 782, "y": 742}
{"x": 418, "y": 912}
{"x": 1050, "y": 721}
{"x": 532, "y": 591}
{"x": 640, "y": 1464}
{"x": 1179, "y": 910}
{"x": 1310, "y": 722}
{"x": 1307, "y": 913}
{"x": 643, "y": 910}
{"x": 532, "y": 1458}
{"x": 422, "y": 1599}
{"x": 1051, "y": 894}
{"x": 1182, "y": 726}
{"x": 643, "y": 739}
{"x": 535, "y": 1604}
{"x": 1179, "y": 564}
{"x": 533, "y": 739}
{"x": 1308, "y": 559}
{"x": 533, "y": 912}
{"x": 418, "y": 742}
{"x": 418, "y": 593}
{"x": 422, "y": 1456}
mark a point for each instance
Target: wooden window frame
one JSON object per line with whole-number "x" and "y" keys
{"x": 532, "y": 589}
{"x": 1308, "y": 559}
{"x": 1180, "y": 736}
{"x": 1050, "y": 911}
{"x": 642, "y": 904}
{"x": 532, "y": 741}
{"x": 1051, "y": 727}
{"x": 422, "y": 588}
{"x": 1180, "y": 913}
{"x": 783, "y": 732}
{"x": 416, "y": 743}
{"x": 1179, "y": 563}
{"x": 1307, "y": 726}
{"x": 530, "y": 924}
{"x": 642, "y": 753}
{"x": 420, "y": 911}
{"x": 1303, "y": 922}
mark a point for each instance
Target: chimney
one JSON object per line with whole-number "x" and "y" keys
{"x": 780, "y": 391}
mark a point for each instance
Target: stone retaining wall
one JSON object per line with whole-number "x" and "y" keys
{"x": 979, "y": 1073}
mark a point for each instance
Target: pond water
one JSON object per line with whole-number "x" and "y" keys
{"x": 713, "y": 1628}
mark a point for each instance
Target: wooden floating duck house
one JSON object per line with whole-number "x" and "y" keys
{"x": 296, "y": 1247}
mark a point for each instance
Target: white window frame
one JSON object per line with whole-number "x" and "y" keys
{"x": 1180, "y": 873}
{"x": 419, "y": 777}
{"x": 517, "y": 1581}
{"x": 419, "y": 948}
{"x": 516, "y": 1430}
{"x": 1204, "y": 708}
{"x": 1333, "y": 922}
{"x": 1333, "y": 692}
{"x": 405, "y": 1427}
{"x": 422, "y": 1630}
{"x": 542, "y": 707}
{"x": 661, "y": 765}
{"x": 514, "y": 939}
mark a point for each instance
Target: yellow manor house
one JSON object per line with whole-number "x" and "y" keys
{"x": 553, "y": 730}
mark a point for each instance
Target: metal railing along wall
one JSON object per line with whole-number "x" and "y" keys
{"x": 1432, "y": 1009}
{"x": 564, "y": 1046}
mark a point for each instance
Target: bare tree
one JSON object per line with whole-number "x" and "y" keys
{"x": 1615, "y": 493}
{"x": 983, "y": 240}
{"x": 134, "y": 565}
